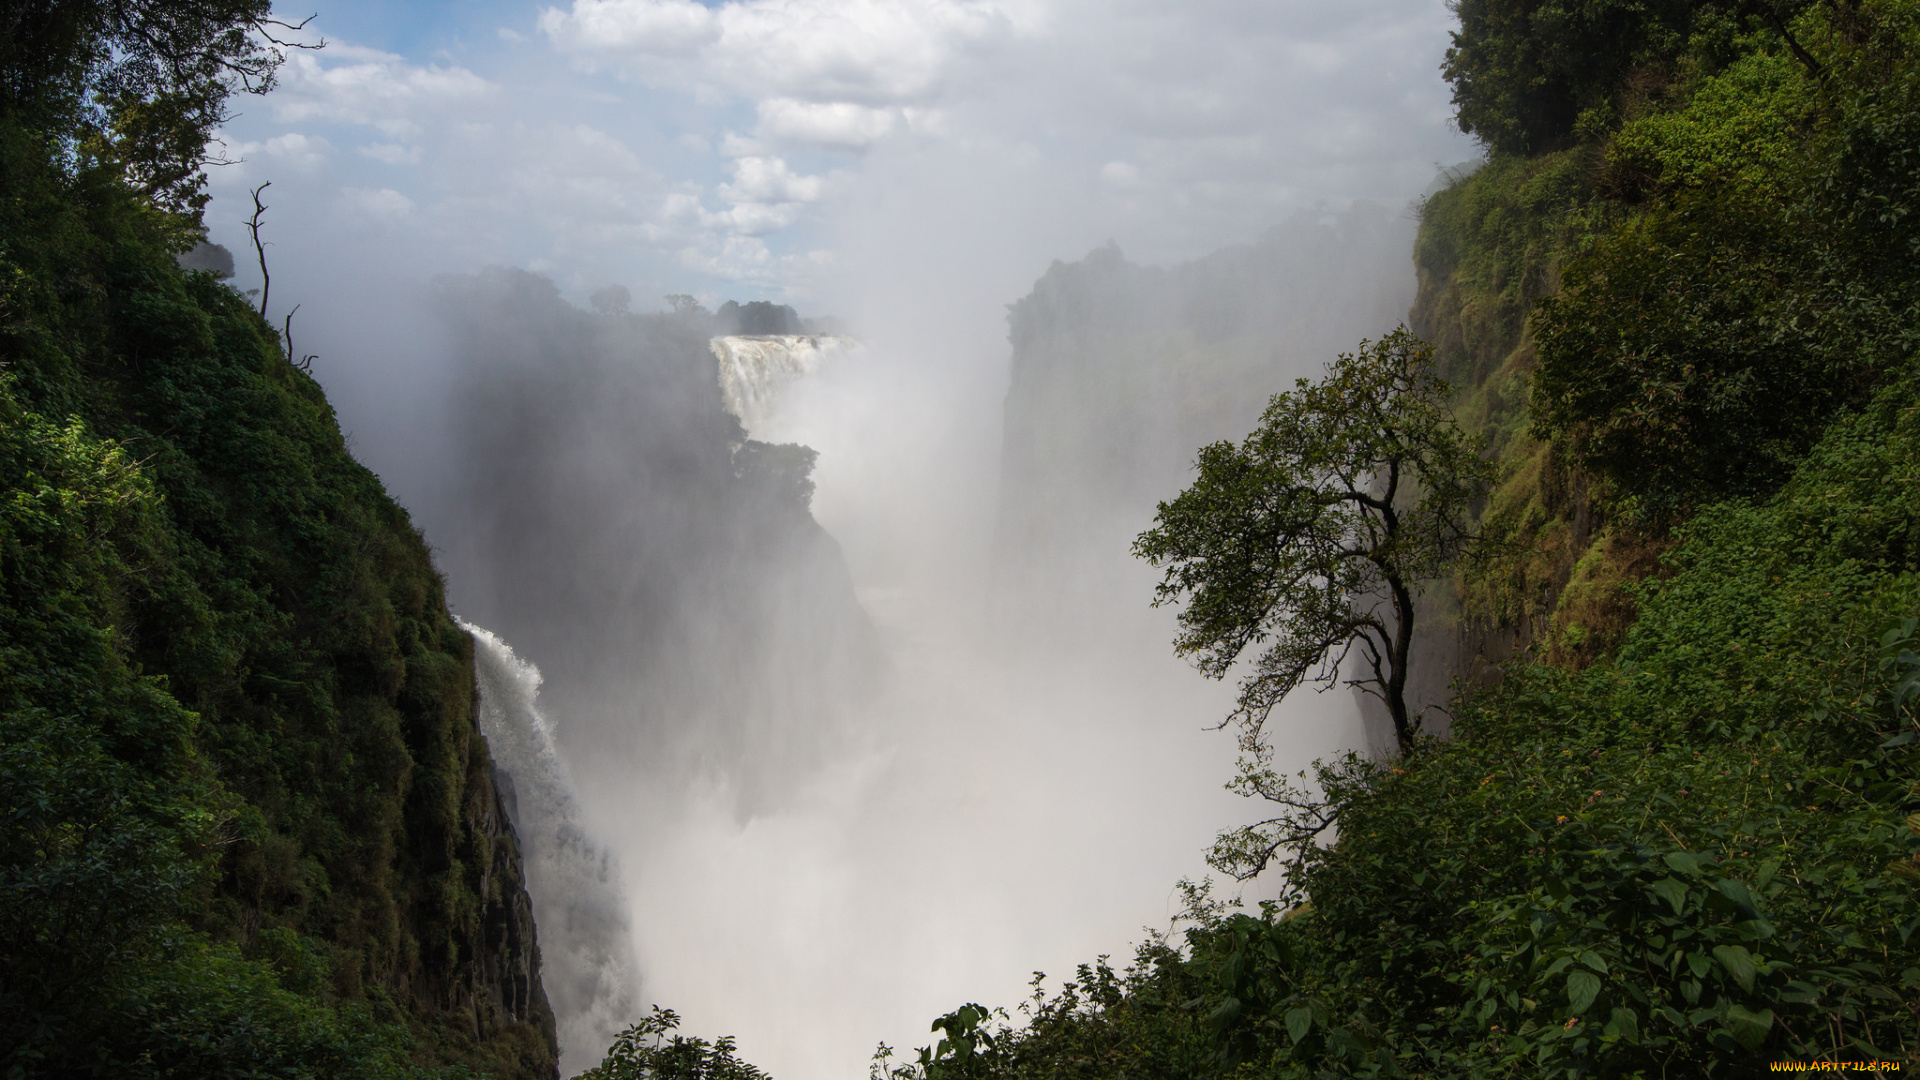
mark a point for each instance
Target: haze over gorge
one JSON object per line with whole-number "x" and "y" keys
{"x": 937, "y": 740}
{"x": 816, "y": 754}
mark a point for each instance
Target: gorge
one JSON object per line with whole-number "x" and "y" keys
{"x": 511, "y": 659}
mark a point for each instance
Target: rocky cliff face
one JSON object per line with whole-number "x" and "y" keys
{"x": 239, "y": 690}
{"x": 609, "y": 516}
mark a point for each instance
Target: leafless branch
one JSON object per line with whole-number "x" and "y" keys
{"x": 305, "y": 363}
{"x": 260, "y": 249}
{"x": 260, "y": 27}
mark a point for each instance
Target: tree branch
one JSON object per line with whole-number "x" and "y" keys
{"x": 305, "y": 363}
{"x": 260, "y": 249}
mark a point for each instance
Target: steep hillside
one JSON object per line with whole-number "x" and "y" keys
{"x": 250, "y": 827}
{"x": 1679, "y": 833}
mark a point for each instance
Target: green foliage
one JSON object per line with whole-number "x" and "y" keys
{"x": 647, "y": 1051}
{"x": 1534, "y": 76}
{"x": 1687, "y": 358}
{"x": 1524, "y": 71}
{"x": 1490, "y": 245}
{"x": 1742, "y": 129}
{"x": 783, "y": 472}
{"x": 1697, "y": 351}
{"x": 139, "y": 83}
{"x": 1866, "y": 177}
{"x": 108, "y": 812}
{"x": 112, "y": 815}
{"x": 1317, "y": 530}
{"x": 237, "y": 747}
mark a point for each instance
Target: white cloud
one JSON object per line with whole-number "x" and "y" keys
{"x": 392, "y": 153}
{"x": 293, "y": 152}
{"x": 298, "y": 150}
{"x": 1120, "y": 174}
{"x": 830, "y": 124}
{"x": 624, "y": 133}
{"x": 375, "y": 202}
{"x": 770, "y": 180}
{"x": 752, "y": 219}
{"x": 872, "y": 52}
{"x": 350, "y": 85}
{"x": 642, "y": 27}
{"x": 735, "y": 145}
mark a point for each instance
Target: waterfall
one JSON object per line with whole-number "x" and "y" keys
{"x": 753, "y": 369}
{"x": 586, "y": 946}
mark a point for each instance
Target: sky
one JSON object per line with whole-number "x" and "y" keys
{"x": 799, "y": 149}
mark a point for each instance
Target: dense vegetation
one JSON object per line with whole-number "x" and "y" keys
{"x": 1676, "y": 833}
{"x": 247, "y": 825}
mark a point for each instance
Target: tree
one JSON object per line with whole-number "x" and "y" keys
{"x": 141, "y": 83}
{"x": 1524, "y": 70}
{"x": 1529, "y": 75}
{"x": 1313, "y": 536}
{"x": 646, "y": 1051}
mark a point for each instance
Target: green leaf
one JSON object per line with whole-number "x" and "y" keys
{"x": 1582, "y": 988}
{"x": 1624, "y": 1025}
{"x": 1685, "y": 862}
{"x": 1673, "y": 891}
{"x": 1594, "y": 961}
{"x": 1736, "y": 892}
{"x": 1739, "y": 964}
{"x": 1299, "y": 1024}
{"x": 1748, "y": 1028}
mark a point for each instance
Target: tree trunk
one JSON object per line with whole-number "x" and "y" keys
{"x": 1404, "y": 727}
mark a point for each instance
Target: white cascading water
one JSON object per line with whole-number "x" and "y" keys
{"x": 588, "y": 963}
{"x": 754, "y": 369}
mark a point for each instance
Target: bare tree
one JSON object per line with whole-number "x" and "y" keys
{"x": 260, "y": 249}
{"x": 304, "y": 363}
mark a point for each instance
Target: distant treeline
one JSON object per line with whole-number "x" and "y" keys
{"x": 764, "y": 318}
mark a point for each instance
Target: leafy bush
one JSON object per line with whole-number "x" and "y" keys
{"x": 649, "y": 1050}
{"x": 1523, "y": 71}
{"x": 1694, "y": 355}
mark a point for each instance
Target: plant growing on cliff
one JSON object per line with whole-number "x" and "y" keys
{"x": 1313, "y": 536}
{"x": 648, "y": 1051}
